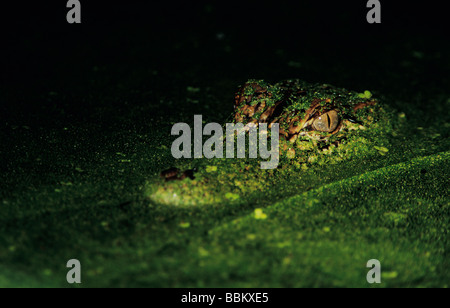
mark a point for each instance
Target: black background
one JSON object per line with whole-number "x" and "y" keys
{"x": 36, "y": 32}
{"x": 41, "y": 53}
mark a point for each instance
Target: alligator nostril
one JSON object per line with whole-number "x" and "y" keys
{"x": 172, "y": 174}
{"x": 169, "y": 173}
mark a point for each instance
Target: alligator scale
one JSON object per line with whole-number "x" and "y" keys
{"x": 305, "y": 111}
{"x": 313, "y": 119}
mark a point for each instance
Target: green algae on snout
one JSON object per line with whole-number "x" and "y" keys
{"x": 364, "y": 128}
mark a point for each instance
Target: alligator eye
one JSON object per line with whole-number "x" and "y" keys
{"x": 326, "y": 122}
